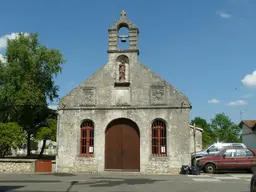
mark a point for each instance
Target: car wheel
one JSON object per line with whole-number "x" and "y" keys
{"x": 209, "y": 168}
{"x": 253, "y": 169}
{"x": 253, "y": 183}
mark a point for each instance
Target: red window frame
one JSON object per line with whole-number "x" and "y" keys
{"x": 159, "y": 141}
{"x": 87, "y": 139}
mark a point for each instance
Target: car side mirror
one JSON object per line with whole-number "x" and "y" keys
{"x": 224, "y": 156}
{"x": 208, "y": 151}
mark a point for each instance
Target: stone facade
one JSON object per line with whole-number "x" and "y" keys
{"x": 134, "y": 93}
{"x": 199, "y": 141}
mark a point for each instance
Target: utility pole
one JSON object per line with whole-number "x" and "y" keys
{"x": 241, "y": 114}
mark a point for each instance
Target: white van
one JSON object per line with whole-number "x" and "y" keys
{"x": 216, "y": 148}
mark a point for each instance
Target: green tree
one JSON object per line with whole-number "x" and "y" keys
{"x": 34, "y": 145}
{"x": 225, "y": 129}
{"x": 11, "y": 136}
{"x": 47, "y": 132}
{"x": 208, "y": 136}
{"x": 26, "y": 82}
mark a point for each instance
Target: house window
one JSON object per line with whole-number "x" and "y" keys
{"x": 87, "y": 138}
{"x": 159, "y": 147}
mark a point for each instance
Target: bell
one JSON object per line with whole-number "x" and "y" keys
{"x": 123, "y": 39}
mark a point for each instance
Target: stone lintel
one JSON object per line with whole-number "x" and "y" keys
{"x": 124, "y": 51}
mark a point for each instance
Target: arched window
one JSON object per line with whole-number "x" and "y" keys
{"x": 87, "y": 138}
{"x": 159, "y": 147}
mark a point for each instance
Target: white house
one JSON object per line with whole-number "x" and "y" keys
{"x": 248, "y": 133}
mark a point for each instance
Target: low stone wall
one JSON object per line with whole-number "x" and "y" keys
{"x": 17, "y": 165}
{"x": 20, "y": 166}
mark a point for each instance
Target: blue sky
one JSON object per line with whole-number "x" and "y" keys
{"x": 204, "y": 48}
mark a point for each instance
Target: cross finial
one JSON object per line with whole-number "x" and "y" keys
{"x": 123, "y": 14}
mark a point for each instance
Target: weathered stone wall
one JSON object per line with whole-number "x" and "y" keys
{"x": 103, "y": 107}
{"x": 104, "y": 94}
{"x": 199, "y": 141}
{"x": 17, "y": 165}
{"x": 54, "y": 166}
{"x": 20, "y": 165}
{"x": 145, "y": 98}
{"x": 178, "y": 146}
{"x": 163, "y": 165}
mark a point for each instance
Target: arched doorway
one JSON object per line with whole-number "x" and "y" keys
{"x": 122, "y": 146}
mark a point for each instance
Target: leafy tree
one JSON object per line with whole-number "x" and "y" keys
{"x": 34, "y": 145}
{"x": 207, "y": 135}
{"x": 11, "y": 136}
{"x": 47, "y": 132}
{"x": 26, "y": 82}
{"x": 225, "y": 129}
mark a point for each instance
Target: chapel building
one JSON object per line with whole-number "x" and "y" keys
{"x": 124, "y": 117}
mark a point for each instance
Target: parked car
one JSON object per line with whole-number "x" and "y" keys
{"x": 229, "y": 159}
{"x": 216, "y": 148}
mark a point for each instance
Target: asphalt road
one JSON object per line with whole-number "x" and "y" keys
{"x": 112, "y": 182}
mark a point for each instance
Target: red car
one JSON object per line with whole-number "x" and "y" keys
{"x": 229, "y": 159}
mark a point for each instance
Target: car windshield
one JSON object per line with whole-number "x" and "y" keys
{"x": 207, "y": 147}
{"x": 226, "y": 150}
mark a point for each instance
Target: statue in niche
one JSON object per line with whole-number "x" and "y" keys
{"x": 122, "y": 71}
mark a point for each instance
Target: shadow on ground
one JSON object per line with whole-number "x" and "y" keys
{"x": 9, "y": 188}
{"x": 112, "y": 182}
{"x": 60, "y": 174}
{"x": 28, "y": 181}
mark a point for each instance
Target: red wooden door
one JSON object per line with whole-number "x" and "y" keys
{"x": 122, "y": 148}
{"x": 114, "y": 148}
{"x": 131, "y": 148}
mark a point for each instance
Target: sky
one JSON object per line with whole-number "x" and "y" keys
{"x": 204, "y": 48}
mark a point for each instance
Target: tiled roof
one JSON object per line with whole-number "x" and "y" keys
{"x": 248, "y": 123}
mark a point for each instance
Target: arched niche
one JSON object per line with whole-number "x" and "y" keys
{"x": 122, "y": 69}
{"x": 121, "y": 58}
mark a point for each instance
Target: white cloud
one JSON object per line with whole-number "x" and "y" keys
{"x": 53, "y": 107}
{"x": 238, "y": 103}
{"x": 246, "y": 96}
{"x": 223, "y": 14}
{"x": 215, "y": 101}
{"x": 249, "y": 80}
{"x": 4, "y": 39}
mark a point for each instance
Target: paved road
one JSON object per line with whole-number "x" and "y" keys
{"x": 123, "y": 183}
